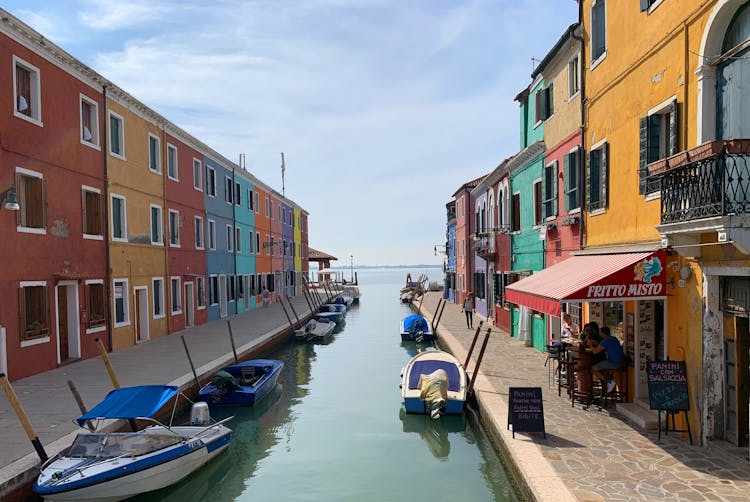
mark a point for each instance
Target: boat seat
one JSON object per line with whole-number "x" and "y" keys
{"x": 427, "y": 367}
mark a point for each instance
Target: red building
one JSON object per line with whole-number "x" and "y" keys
{"x": 464, "y": 242}
{"x": 53, "y": 284}
{"x": 186, "y": 235}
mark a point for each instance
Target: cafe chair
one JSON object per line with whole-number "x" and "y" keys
{"x": 553, "y": 355}
{"x": 620, "y": 375}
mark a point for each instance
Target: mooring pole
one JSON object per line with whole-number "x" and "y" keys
{"x": 419, "y": 307}
{"x": 440, "y": 316}
{"x": 107, "y": 363}
{"x": 434, "y": 316}
{"x": 79, "y": 402}
{"x": 307, "y": 299}
{"x": 231, "y": 339}
{"x": 287, "y": 315}
{"x": 471, "y": 347}
{"x": 299, "y": 324}
{"x": 16, "y": 404}
{"x": 190, "y": 360}
{"x": 479, "y": 361}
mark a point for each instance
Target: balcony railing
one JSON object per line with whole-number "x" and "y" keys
{"x": 707, "y": 181}
{"x": 484, "y": 244}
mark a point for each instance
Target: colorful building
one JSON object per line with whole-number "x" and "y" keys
{"x": 464, "y": 245}
{"x": 450, "y": 252}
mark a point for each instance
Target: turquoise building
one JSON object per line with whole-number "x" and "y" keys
{"x": 246, "y": 241}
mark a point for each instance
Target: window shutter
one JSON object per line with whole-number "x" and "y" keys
{"x": 44, "y": 203}
{"x": 674, "y": 128}
{"x": 550, "y": 101}
{"x": 589, "y": 191}
{"x": 555, "y": 170}
{"x": 46, "y": 305}
{"x": 566, "y": 180}
{"x": 546, "y": 209}
{"x": 604, "y": 175}
{"x": 20, "y": 195}
{"x": 83, "y": 212}
{"x": 645, "y": 5}
{"x": 642, "y": 170}
{"x": 21, "y": 313}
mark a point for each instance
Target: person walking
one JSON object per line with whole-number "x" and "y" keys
{"x": 469, "y": 310}
{"x": 266, "y": 297}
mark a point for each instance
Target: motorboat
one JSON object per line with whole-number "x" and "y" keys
{"x": 353, "y": 291}
{"x": 243, "y": 384}
{"x": 102, "y": 465}
{"x": 416, "y": 328}
{"x": 317, "y": 330}
{"x": 332, "y": 307}
{"x": 434, "y": 382}
{"x": 337, "y": 317}
{"x": 343, "y": 299}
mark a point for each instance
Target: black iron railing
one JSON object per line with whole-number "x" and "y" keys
{"x": 714, "y": 186}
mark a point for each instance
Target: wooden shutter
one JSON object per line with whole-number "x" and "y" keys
{"x": 43, "y": 201}
{"x": 567, "y": 181}
{"x": 642, "y": 170}
{"x": 549, "y": 101}
{"x": 20, "y": 195}
{"x": 21, "y": 314}
{"x": 674, "y": 128}
{"x": 604, "y": 176}
{"x": 555, "y": 170}
{"x": 589, "y": 158}
{"x": 84, "y": 196}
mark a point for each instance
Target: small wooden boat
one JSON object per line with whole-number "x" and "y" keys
{"x": 118, "y": 465}
{"x": 244, "y": 383}
{"x": 416, "y": 328}
{"x": 317, "y": 330}
{"x": 434, "y": 383}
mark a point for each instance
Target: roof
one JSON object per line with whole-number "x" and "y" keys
{"x": 315, "y": 255}
{"x": 494, "y": 176}
{"x": 568, "y": 35}
{"x": 131, "y": 402}
{"x": 469, "y": 185}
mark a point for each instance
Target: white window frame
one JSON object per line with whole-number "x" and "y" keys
{"x": 158, "y": 153}
{"x": 200, "y": 238}
{"x": 237, "y": 193}
{"x": 211, "y": 235}
{"x": 171, "y": 230}
{"x": 124, "y": 219}
{"x": 257, "y": 243}
{"x": 121, "y": 120}
{"x": 200, "y": 284}
{"x": 88, "y": 282}
{"x": 250, "y": 200}
{"x": 537, "y": 203}
{"x": 95, "y": 237}
{"x": 597, "y": 146}
{"x": 172, "y": 148}
{"x": 126, "y": 306}
{"x": 268, "y": 208}
{"x": 197, "y": 180}
{"x": 230, "y": 238}
{"x": 160, "y": 242}
{"x": 238, "y": 239}
{"x": 94, "y": 142}
{"x": 31, "y": 174}
{"x": 228, "y": 190}
{"x": 603, "y": 55}
{"x": 257, "y": 202}
{"x": 251, "y": 246}
{"x": 163, "y": 314}
{"x": 178, "y": 297}
{"x": 35, "y": 90}
{"x": 213, "y": 299}
{"x": 40, "y": 340}
{"x": 575, "y": 57}
{"x": 211, "y": 190}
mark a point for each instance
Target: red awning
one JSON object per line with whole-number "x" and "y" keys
{"x": 592, "y": 278}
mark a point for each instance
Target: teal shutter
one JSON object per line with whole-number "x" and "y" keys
{"x": 566, "y": 180}
{"x": 674, "y": 128}
{"x": 605, "y": 175}
{"x": 555, "y": 170}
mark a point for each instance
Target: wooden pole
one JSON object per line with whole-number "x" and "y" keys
{"x": 307, "y": 299}
{"x": 440, "y": 316}
{"x": 299, "y": 324}
{"x": 287, "y": 315}
{"x": 107, "y": 363}
{"x": 479, "y": 361}
{"x": 434, "y": 316}
{"x": 190, "y": 360}
{"x": 30, "y": 433}
{"x": 231, "y": 339}
{"x": 79, "y": 402}
{"x": 471, "y": 347}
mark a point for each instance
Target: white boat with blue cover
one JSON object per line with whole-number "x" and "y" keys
{"x": 416, "y": 328}
{"x": 434, "y": 383}
{"x": 119, "y": 465}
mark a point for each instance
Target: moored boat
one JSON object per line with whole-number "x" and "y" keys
{"x": 337, "y": 317}
{"x": 118, "y": 465}
{"x": 416, "y": 328}
{"x": 434, "y": 382}
{"x": 318, "y": 330}
{"x": 243, "y": 384}
{"x": 353, "y": 291}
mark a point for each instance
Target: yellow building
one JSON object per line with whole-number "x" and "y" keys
{"x": 654, "y": 96}
{"x": 137, "y": 208}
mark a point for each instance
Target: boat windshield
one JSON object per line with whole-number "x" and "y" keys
{"x": 118, "y": 444}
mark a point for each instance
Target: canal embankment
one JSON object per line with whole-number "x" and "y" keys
{"x": 51, "y": 408}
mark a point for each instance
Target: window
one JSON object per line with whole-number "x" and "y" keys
{"x": 251, "y": 246}
{"x": 197, "y": 175}
{"x": 176, "y": 295}
{"x": 499, "y": 288}
{"x": 659, "y": 138}
{"x": 210, "y": 182}
{"x": 479, "y": 285}
{"x": 549, "y": 190}
{"x": 598, "y": 30}
{"x": 119, "y": 220}
{"x": 33, "y": 310}
{"x": 268, "y": 207}
{"x": 154, "y": 157}
{"x": 572, "y": 178}
{"x": 229, "y": 237}
{"x": 251, "y": 290}
{"x": 121, "y": 300}
{"x": 116, "y": 135}
{"x": 544, "y": 105}
{"x": 574, "y": 75}
{"x": 213, "y": 290}
{"x": 199, "y": 244}
{"x": 259, "y": 284}
{"x": 200, "y": 285}
{"x": 89, "y": 121}
{"x": 91, "y": 211}
{"x": 257, "y": 242}
{"x": 515, "y": 214}
{"x": 538, "y": 211}
{"x": 647, "y": 4}
{"x": 250, "y": 200}
{"x": 237, "y": 194}
{"x": 172, "y": 167}
{"x": 95, "y": 305}
{"x": 597, "y": 176}
{"x": 270, "y": 245}
{"x": 32, "y": 197}
{"x": 174, "y": 228}
{"x": 228, "y": 189}
{"x": 27, "y": 102}
{"x": 211, "y": 234}
{"x": 241, "y": 286}
{"x": 238, "y": 239}
{"x": 157, "y": 229}
{"x": 230, "y": 288}
{"x": 257, "y": 202}
{"x": 158, "y": 284}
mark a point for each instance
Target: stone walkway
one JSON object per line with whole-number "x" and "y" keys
{"x": 596, "y": 454}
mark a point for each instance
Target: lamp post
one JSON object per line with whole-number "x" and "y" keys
{"x": 351, "y": 258}
{"x": 12, "y": 204}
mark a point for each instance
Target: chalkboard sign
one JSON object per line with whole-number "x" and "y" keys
{"x": 525, "y": 410}
{"x": 667, "y": 385}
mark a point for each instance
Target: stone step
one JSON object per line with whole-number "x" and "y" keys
{"x": 638, "y": 415}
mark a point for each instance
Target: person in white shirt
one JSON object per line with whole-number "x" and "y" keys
{"x": 569, "y": 330}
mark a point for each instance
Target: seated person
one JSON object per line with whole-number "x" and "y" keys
{"x": 569, "y": 330}
{"x": 610, "y": 346}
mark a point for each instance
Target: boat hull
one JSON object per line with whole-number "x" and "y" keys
{"x": 426, "y": 336}
{"x": 425, "y": 363}
{"x": 245, "y": 395}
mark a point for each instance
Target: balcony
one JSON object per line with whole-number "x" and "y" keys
{"x": 705, "y": 196}
{"x": 484, "y": 245}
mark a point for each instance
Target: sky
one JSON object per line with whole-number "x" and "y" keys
{"x": 383, "y": 108}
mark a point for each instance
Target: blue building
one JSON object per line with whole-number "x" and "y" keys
{"x": 450, "y": 252}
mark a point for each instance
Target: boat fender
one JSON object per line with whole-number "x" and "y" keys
{"x": 199, "y": 414}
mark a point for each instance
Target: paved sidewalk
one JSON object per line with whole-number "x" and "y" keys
{"x": 50, "y": 406}
{"x": 595, "y": 454}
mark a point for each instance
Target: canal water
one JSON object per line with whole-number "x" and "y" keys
{"x": 334, "y": 430}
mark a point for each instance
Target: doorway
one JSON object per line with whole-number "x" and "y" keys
{"x": 650, "y": 341}
{"x": 3, "y": 352}
{"x": 223, "y": 295}
{"x": 189, "y": 306}
{"x": 736, "y": 379}
{"x": 68, "y": 324}
{"x": 141, "y": 313}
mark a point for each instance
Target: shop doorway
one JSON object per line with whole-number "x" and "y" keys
{"x": 223, "y": 295}
{"x": 737, "y": 377}
{"x": 141, "y": 313}
{"x": 68, "y": 325}
{"x": 189, "y": 305}
{"x": 650, "y": 342}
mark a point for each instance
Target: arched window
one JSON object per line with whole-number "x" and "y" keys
{"x": 491, "y": 212}
{"x": 733, "y": 79}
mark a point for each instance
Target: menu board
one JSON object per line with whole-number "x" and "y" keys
{"x": 667, "y": 386}
{"x": 526, "y": 410}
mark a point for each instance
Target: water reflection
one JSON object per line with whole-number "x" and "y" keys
{"x": 434, "y": 432}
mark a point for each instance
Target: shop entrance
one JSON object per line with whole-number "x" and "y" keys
{"x": 737, "y": 377}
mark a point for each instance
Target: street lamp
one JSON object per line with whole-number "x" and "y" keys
{"x": 351, "y": 258}
{"x": 12, "y": 204}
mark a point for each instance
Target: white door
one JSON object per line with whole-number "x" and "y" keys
{"x": 223, "y": 295}
{"x": 141, "y": 311}
{"x": 189, "y": 306}
{"x": 3, "y": 353}
{"x": 68, "y": 321}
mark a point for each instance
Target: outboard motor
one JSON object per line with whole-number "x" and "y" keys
{"x": 199, "y": 414}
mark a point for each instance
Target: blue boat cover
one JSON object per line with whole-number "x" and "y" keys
{"x": 416, "y": 323}
{"x": 426, "y": 367}
{"x": 131, "y": 402}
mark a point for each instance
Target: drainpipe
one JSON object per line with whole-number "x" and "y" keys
{"x": 108, "y": 272}
{"x": 582, "y": 97}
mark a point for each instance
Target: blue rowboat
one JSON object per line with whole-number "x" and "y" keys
{"x": 416, "y": 328}
{"x": 243, "y": 384}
